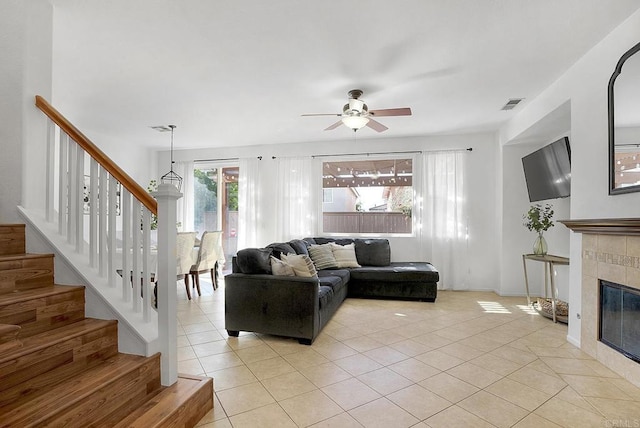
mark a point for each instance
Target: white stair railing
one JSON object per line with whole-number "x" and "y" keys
{"x": 105, "y": 217}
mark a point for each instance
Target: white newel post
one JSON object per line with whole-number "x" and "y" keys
{"x": 167, "y": 195}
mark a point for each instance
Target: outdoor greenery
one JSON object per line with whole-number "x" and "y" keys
{"x": 538, "y": 218}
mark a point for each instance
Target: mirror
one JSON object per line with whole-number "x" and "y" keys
{"x": 624, "y": 124}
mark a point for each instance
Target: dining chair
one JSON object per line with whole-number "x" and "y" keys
{"x": 184, "y": 257}
{"x": 210, "y": 258}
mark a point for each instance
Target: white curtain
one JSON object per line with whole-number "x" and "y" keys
{"x": 248, "y": 202}
{"x": 297, "y": 198}
{"x": 185, "y": 207}
{"x": 443, "y": 216}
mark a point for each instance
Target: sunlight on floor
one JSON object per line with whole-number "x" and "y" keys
{"x": 528, "y": 309}
{"x": 494, "y": 307}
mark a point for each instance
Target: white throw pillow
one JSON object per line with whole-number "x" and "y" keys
{"x": 345, "y": 255}
{"x": 301, "y": 264}
{"x": 322, "y": 256}
{"x": 278, "y": 267}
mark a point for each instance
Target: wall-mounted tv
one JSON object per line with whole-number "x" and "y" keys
{"x": 547, "y": 171}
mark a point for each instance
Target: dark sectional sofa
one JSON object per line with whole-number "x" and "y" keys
{"x": 299, "y": 307}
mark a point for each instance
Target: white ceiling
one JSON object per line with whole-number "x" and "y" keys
{"x": 242, "y": 72}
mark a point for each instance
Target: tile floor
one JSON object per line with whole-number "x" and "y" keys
{"x": 472, "y": 359}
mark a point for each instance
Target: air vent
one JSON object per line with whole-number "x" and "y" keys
{"x": 511, "y": 103}
{"x": 161, "y": 128}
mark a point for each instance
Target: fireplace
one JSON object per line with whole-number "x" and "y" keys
{"x": 619, "y": 315}
{"x": 610, "y": 254}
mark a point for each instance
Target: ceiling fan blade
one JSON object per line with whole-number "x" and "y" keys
{"x": 375, "y": 125}
{"x": 406, "y": 111}
{"x": 334, "y": 126}
{"x": 321, "y": 114}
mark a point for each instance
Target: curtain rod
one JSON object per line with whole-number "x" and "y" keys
{"x": 390, "y": 153}
{"x": 220, "y": 159}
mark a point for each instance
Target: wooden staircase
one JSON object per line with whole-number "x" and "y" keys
{"x": 58, "y": 368}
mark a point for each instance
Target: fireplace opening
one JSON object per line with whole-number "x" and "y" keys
{"x": 620, "y": 318}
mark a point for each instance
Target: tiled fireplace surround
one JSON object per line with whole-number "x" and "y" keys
{"x": 610, "y": 251}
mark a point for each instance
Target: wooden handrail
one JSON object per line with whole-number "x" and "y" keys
{"x": 134, "y": 188}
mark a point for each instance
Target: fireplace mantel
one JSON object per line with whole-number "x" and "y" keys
{"x": 610, "y": 226}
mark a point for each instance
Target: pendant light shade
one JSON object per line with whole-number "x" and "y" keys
{"x": 171, "y": 177}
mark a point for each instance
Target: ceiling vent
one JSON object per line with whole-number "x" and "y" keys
{"x": 511, "y": 103}
{"x": 161, "y": 128}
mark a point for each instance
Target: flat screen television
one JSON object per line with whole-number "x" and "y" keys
{"x": 547, "y": 171}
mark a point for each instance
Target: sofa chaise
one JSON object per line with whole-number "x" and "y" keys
{"x": 257, "y": 300}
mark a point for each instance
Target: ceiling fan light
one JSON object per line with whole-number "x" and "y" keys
{"x": 356, "y": 105}
{"x": 355, "y": 122}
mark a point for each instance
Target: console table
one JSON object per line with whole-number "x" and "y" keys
{"x": 550, "y": 261}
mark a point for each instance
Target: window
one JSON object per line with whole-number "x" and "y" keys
{"x": 367, "y": 196}
{"x": 208, "y": 196}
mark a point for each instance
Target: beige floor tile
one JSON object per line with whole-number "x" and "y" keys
{"x": 383, "y": 413}
{"x": 455, "y": 416}
{"x": 496, "y": 364}
{"x": 515, "y": 355}
{"x": 358, "y": 364}
{"x": 211, "y": 348}
{"x": 386, "y": 337}
{"x": 386, "y": 355}
{"x": 198, "y": 327}
{"x": 204, "y": 337}
{"x": 618, "y": 410}
{"x": 325, "y": 374}
{"x": 350, "y": 393}
{"x": 222, "y": 423}
{"x": 410, "y": 347}
{"x": 461, "y": 351}
{"x": 220, "y": 361}
{"x": 567, "y": 415}
{"x": 256, "y": 353}
{"x": 183, "y": 341}
{"x": 482, "y": 343}
{"x": 186, "y": 353}
{"x": 535, "y": 421}
{"x": 288, "y": 385}
{"x": 343, "y": 420}
{"x": 265, "y": 369}
{"x": 232, "y": 377}
{"x": 362, "y": 343}
{"x": 310, "y": 408}
{"x": 474, "y": 375}
{"x": 268, "y": 416}
{"x": 384, "y": 381}
{"x": 449, "y": 387}
{"x": 439, "y": 359}
{"x": 432, "y": 340}
{"x": 569, "y": 366}
{"x": 334, "y": 350}
{"x": 627, "y": 387}
{"x": 414, "y": 369}
{"x": 191, "y": 367}
{"x": 283, "y": 345}
{"x": 305, "y": 358}
{"x": 419, "y": 401}
{"x": 518, "y": 393}
{"x": 569, "y": 395}
{"x": 493, "y": 409}
{"x": 245, "y": 340}
{"x": 244, "y": 398}
{"x": 589, "y": 386}
{"x": 538, "y": 380}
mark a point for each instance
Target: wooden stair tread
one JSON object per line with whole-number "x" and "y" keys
{"x": 72, "y": 390}
{"x": 160, "y": 409}
{"x": 31, "y": 293}
{"x": 51, "y": 337}
{"x": 24, "y": 256}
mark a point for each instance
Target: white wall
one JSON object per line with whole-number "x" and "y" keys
{"x": 25, "y": 70}
{"x": 481, "y": 180}
{"x": 585, "y": 85}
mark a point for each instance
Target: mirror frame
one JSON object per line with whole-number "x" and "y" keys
{"x": 612, "y": 189}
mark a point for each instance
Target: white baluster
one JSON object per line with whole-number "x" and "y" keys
{"x": 146, "y": 269}
{"x": 111, "y": 215}
{"x": 63, "y": 189}
{"x": 135, "y": 262}
{"x": 102, "y": 220}
{"x": 79, "y": 196}
{"x": 50, "y": 173}
{"x": 72, "y": 201}
{"x": 126, "y": 245}
{"x": 93, "y": 212}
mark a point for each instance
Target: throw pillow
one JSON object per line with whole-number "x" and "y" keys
{"x": 301, "y": 264}
{"x": 345, "y": 255}
{"x": 280, "y": 248}
{"x": 299, "y": 246}
{"x": 322, "y": 256}
{"x": 373, "y": 252}
{"x": 254, "y": 260}
{"x": 278, "y": 267}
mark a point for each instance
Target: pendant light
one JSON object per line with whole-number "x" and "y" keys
{"x": 171, "y": 177}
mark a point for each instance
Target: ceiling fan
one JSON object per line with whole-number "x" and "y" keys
{"x": 356, "y": 114}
